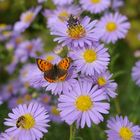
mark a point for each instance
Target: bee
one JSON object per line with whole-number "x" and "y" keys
{"x": 72, "y": 21}
{"x": 20, "y": 122}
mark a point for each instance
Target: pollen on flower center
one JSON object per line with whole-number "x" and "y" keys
{"x": 89, "y": 55}
{"x": 55, "y": 111}
{"x": 28, "y": 17}
{"x": 101, "y": 81}
{"x": 50, "y": 58}
{"x": 126, "y": 133}
{"x": 63, "y": 15}
{"x": 6, "y": 33}
{"x": 83, "y": 103}
{"x": 26, "y": 121}
{"x": 111, "y": 26}
{"x": 76, "y": 32}
{"x": 27, "y": 97}
{"x": 95, "y": 1}
{"x": 19, "y": 100}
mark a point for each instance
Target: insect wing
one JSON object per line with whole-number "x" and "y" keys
{"x": 51, "y": 75}
{"x": 44, "y": 65}
{"x": 64, "y": 64}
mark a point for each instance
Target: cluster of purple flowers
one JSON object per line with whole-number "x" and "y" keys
{"x": 136, "y": 73}
{"x": 84, "y": 95}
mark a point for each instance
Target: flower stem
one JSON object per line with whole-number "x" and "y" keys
{"x": 72, "y": 132}
{"x": 117, "y": 105}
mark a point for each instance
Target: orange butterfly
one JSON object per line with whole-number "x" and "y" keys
{"x": 54, "y": 73}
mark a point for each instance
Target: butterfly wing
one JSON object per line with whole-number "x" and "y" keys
{"x": 62, "y": 68}
{"x": 51, "y": 75}
{"x": 54, "y": 73}
{"x": 44, "y": 65}
{"x": 64, "y": 64}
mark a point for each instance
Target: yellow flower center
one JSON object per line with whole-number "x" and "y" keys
{"x": 26, "y": 84}
{"x": 126, "y": 133}
{"x": 83, "y": 103}
{"x": 2, "y": 25}
{"x": 89, "y": 55}
{"x": 45, "y": 99}
{"x": 27, "y": 97}
{"x": 28, "y": 17}
{"x": 50, "y": 58}
{"x": 76, "y": 32}
{"x": 6, "y": 33}
{"x": 26, "y": 122}
{"x": 101, "y": 81}
{"x": 95, "y": 1}
{"x": 63, "y": 15}
{"x": 111, "y": 26}
{"x": 55, "y": 111}
{"x": 19, "y": 101}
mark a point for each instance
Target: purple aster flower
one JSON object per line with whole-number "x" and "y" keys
{"x": 35, "y": 77}
{"x": 95, "y": 6}
{"x": 12, "y": 88}
{"x": 5, "y": 32}
{"x": 4, "y": 27}
{"x": 25, "y": 72}
{"x": 14, "y": 41}
{"x": 27, "y": 122}
{"x": 44, "y": 99}
{"x": 61, "y": 14}
{"x": 10, "y": 45}
{"x": 22, "y": 99}
{"x": 28, "y": 49}
{"x": 76, "y": 34}
{"x": 37, "y": 80}
{"x": 7, "y": 136}
{"x": 84, "y": 104}
{"x": 115, "y": 26}
{"x": 104, "y": 82}
{"x": 117, "y": 4}
{"x": 62, "y": 2}
{"x": 91, "y": 59}
{"x": 13, "y": 102}
{"x": 5, "y": 35}
{"x": 12, "y": 66}
{"x": 54, "y": 114}
{"x": 120, "y": 128}
{"x": 26, "y": 19}
{"x": 58, "y": 49}
{"x": 136, "y": 73}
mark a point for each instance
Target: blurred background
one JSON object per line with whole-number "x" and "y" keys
{"x": 124, "y": 54}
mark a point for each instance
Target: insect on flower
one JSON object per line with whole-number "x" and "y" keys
{"x": 54, "y": 73}
{"x": 20, "y": 122}
{"x": 72, "y": 21}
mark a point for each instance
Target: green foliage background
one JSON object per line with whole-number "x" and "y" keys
{"x": 122, "y": 60}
